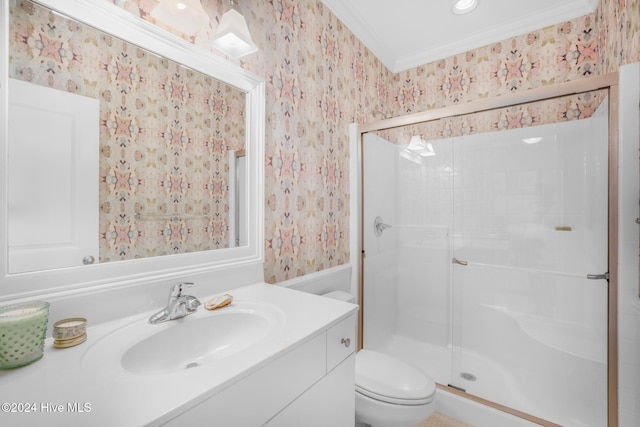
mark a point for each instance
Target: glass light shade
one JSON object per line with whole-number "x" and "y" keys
{"x": 428, "y": 151}
{"x": 416, "y": 143}
{"x": 186, "y": 16}
{"x": 232, "y": 35}
{"x": 420, "y": 146}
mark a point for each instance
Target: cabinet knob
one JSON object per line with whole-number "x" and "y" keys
{"x": 89, "y": 259}
{"x": 346, "y": 342}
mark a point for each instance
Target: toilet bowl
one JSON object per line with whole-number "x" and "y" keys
{"x": 389, "y": 392}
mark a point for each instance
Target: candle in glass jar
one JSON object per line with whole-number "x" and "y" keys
{"x": 22, "y": 331}
{"x": 69, "y": 328}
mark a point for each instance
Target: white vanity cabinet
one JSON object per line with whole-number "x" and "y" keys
{"x": 301, "y": 372}
{"x": 331, "y": 400}
{"x": 312, "y": 384}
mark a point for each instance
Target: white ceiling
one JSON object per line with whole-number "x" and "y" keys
{"x": 406, "y": 33}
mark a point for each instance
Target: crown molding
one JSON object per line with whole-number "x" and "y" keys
{"x": 434, "y": 51}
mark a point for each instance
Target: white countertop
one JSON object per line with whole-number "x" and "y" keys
{"x": 60, "y": 390}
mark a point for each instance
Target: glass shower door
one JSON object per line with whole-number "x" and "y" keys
{"x": 529, "y": 327}
{"x": 408, "y": 193}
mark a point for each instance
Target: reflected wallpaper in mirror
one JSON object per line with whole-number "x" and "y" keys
{"x": 165, "y": 133}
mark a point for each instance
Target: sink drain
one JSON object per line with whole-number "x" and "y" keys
{"x": 468, "y": 376}
{"x": 192, "y": 365}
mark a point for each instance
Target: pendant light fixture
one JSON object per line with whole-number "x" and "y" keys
{"x": 186, "y": 16}
{"x": 420, "y": 146}
{"x": 232, "y": 35}
{"x": 416, "y": 143}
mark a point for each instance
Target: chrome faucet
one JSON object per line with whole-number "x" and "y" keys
{"x": 178, "y": 306}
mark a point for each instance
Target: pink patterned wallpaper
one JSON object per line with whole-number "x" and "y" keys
{"x": 163, "y": 167}
{"x": 590, "y": 45}
{"x": 563, "y": 109}
{"x": 320, "y": 78}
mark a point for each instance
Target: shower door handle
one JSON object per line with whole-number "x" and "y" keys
{"x": 459, "y": 262}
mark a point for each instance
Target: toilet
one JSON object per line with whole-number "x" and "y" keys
{"x": 389, "y": 392}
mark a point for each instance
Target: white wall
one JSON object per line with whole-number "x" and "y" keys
{"x": 628, "y": 301}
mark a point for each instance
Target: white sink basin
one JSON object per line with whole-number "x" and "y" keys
{"x": 190, "y": 344}
{"x": 201, "y": 339}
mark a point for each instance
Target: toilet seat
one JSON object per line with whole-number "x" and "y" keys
{"x": 387, "y": 379}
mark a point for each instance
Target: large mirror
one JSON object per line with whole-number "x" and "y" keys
{"x": 127, "y": 149}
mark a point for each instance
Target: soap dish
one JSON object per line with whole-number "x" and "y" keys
{"x": 218, "y": 302}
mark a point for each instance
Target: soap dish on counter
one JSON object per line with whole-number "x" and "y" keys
{"x": 218, "y": 302}
{"x": 69, "y": 332}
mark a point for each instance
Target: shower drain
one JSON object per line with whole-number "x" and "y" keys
{"x": 468, "y": 376}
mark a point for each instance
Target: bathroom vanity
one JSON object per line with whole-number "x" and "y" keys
{"x": 300, "y": 366}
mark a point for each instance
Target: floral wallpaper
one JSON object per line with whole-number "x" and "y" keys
{"x": 163, "y": 167}
{"x": 591, "y": 45}
{"x": 563, "y": 109}
{"x": 320, "y": 78}
{"x": 594, "y": 44}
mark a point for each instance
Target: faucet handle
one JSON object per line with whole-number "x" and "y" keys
{"x": 176, "y": 290}
{"x": 192, "y": 303}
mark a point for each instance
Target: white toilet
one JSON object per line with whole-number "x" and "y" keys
{"x": 389, "y": 392}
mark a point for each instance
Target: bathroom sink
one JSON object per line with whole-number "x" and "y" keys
{"x": 189, "y": 344}
{"x": 203, "y": 338}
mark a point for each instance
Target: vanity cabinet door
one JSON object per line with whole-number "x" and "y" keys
{"x": 341, "y": 341}
{"x": 259, "y": 396}
{"x": 330, "y": 402}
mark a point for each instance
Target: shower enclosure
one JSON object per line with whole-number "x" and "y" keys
{"x": 485, "y": 244}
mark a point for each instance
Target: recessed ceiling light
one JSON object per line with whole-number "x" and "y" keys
{"x": 464, "y": 6}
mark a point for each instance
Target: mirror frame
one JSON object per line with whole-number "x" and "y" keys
{"x": 116, "y": 21}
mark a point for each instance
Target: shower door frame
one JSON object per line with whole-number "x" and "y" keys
{"x": 607, "y": 82}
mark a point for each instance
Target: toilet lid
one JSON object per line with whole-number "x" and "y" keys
{"x": 388, "y": 379}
